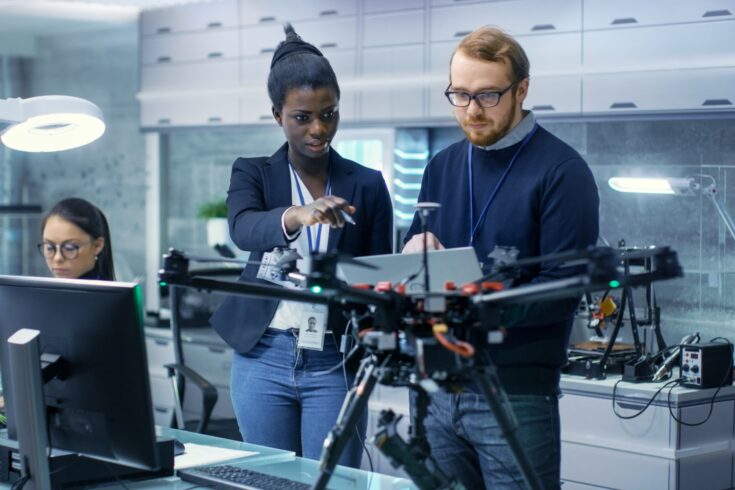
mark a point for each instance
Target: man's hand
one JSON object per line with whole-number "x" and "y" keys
{"x": 416, "y": 243}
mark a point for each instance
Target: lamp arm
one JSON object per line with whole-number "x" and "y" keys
{"x": 11, "y": 110}
{"x": 722, "y": 211}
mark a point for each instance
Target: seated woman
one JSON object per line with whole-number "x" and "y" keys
{"x": 76, "y": 241}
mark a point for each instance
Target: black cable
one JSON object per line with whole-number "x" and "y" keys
{"x": 648, "y": 404}
{"x": 67, "y": 466}
{"x": 507, "y": 470}
{"x": 109, "y": 468}
{"x": 20, "y": 482}
{"x": 347, "y": 389}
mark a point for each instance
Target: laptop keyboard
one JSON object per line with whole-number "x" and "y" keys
{"x": 228, "y": 476}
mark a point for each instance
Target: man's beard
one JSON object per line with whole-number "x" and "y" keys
{"x": 502, "y": 128}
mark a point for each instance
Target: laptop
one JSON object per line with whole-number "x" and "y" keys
{"x": 454, "y": 264}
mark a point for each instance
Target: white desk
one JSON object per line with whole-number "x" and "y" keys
{"x": 651, "y": 451}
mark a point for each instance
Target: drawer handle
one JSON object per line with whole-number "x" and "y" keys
{"x": 461, "y": 33}
{"x": 267, "y": 18}
{"x": 216, "y": 350}
{"x": 325, "y": 13}
{"x": 158, "y": 341}
{"x": 629, "y": 406}
{"x": 711, "y": 102}
{"x": 623, "y": 105}
{"x": 547, "y": 107}
{"x": 215, "y": 54}
{"x": 265, "y": 117}
{"x": 623, "y": 21}
{"x": 163, "y": 59}
{"x": 716, "y": 13}
{"x": 160, "y": 409}
{"x": 163, "y": 30}
{"x": 544, "y": 27}
{"x": 164, "y": 121}
{"x": 215, "y": 119}
{"x": 328, "y": 45}
{"x": 214, "y": 25}
{"x": 267, "y": 50}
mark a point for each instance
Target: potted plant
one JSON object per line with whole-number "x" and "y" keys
{"x": 215, "y": 212}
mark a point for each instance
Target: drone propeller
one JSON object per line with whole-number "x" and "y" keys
{"x": 220, "y": 260}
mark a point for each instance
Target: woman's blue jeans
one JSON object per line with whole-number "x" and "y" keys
{"x": 283, "y": 399}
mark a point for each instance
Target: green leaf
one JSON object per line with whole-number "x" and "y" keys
{"x": 213, "y": 209}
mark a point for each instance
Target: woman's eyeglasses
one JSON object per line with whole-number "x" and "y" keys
{"x": 69, "y": 250}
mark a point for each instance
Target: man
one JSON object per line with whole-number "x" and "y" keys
{"x": 510, "y": 186}
{"x": 311, "y": 324}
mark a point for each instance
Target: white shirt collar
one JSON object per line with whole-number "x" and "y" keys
{"x": 515, "y": 135}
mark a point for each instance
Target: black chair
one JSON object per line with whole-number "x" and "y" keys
{"x": 180, "y": 373}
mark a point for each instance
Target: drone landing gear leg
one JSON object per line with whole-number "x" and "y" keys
{"x": 489, "y": 384}
{"x": 353, "y": 407}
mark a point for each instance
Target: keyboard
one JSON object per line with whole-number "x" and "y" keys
{"x": 227, "y": 476}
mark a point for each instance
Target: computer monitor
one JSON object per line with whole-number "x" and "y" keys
{"x": 102, "y": 409}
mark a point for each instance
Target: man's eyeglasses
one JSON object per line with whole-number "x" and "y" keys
{"x": 484, "y": 99}
{"x": 69, "y": 250}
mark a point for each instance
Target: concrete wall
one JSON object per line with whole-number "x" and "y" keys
{"x": 101, "y": 66}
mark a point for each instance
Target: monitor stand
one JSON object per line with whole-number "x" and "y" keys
{"x": 70, "y": 470}
{"x": 28, "y": 455}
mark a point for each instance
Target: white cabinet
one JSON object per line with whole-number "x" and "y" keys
{"x": 255, "y": 107}
{"x": 390, "y": 98}
{"x": 439, "y": 106}
{"x": 517, "y": 17}
{"x": 654, "y": 449}
{"x": 700, "y": 44}
{"x": 254, "y": 70}
{"x": 160, "y": 351}
{"x": 210, "y": 75}
{"x": 666, "y": 90}
{"x": 196, "y": 110}
{"x": 374, "y": 6}
{"x": 393, "y": 28}
{"x": 195, "y": 46}
{"x": 554, "y": 95}
{"x": 268, "y": 11}
{"x": 184, "y": 18}
{"x": 325, "y": 34}
{"x": 392, "y": 58}
{"x": 393, "y": 62}
{"x": 606, "y": 14}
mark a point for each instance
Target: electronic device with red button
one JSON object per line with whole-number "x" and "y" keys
{"x": 706, "y": 365}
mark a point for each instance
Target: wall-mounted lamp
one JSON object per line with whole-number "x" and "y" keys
{"x": 49, "y": 123}
{"x": 693, "y": 185}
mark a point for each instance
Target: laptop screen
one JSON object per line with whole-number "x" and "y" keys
{"x": 455, "y": 264}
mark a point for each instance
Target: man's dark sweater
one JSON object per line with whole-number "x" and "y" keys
{"x": 548, "y": 203}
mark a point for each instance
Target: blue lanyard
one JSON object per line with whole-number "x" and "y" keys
{"x": 474, "y": 227}
{"x": 301, "y": 198}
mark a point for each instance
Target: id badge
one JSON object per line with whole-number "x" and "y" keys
{"x": 313, "y": 327}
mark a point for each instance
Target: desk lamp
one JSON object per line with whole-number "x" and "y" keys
{"x": 49, "y": 123}
{"x": 693, "y": 185}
